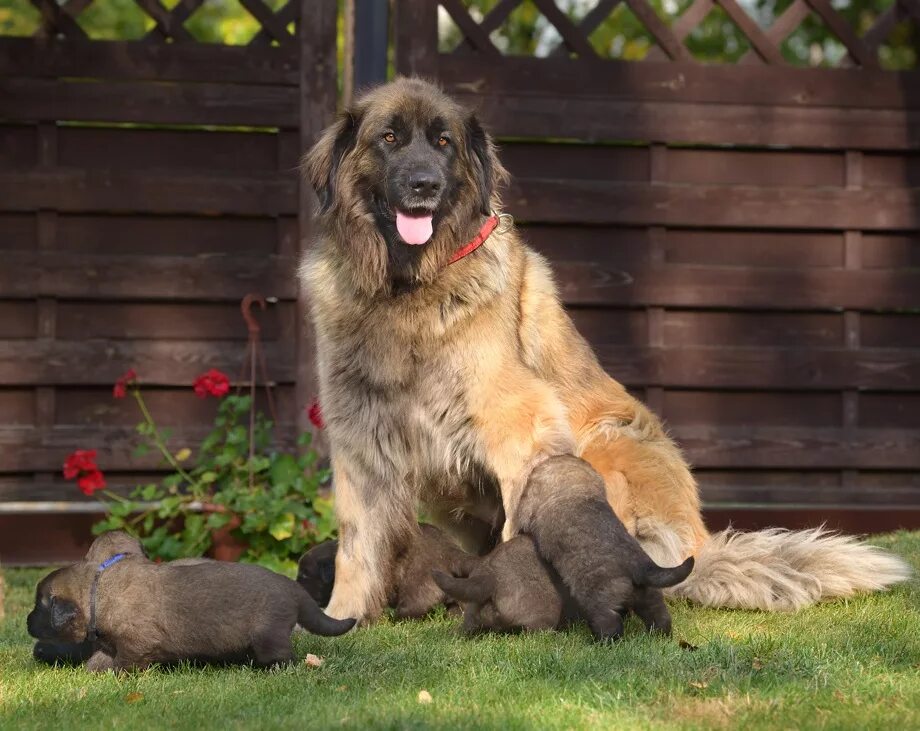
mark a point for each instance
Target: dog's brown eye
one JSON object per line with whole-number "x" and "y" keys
{"x": 389, "y": 138}
{"x": 443, "y": 141}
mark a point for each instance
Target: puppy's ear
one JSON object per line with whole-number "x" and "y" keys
{"x": 487, "y": 170}
{"x": 478, "y": 589}
{"x": 321, "y": 163}
{"x": 63, "y": 612}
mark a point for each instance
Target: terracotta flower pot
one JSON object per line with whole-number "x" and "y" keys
{"x": 224, "y": 545}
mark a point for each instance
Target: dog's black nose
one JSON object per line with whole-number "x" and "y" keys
{"x": 424, "y": 182}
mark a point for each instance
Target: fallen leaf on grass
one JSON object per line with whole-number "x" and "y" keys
{"x": 314, "y": 661}
{"x": 698, "y": 684}
{"x": 134, "y": 697}
{"x": 424, "y": 696}
{"x": 757, "y": 663}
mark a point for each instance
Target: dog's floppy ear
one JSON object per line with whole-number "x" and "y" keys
{"x": 478, "y": 589}
{"x": 63, "y": 612}
{"x": 487, "y": 170}
{"x": 321, "y": 163}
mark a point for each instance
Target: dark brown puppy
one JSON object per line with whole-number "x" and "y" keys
{"x": 605, "y": 568}
{"x": 512, "y": 588}
{"x": 415, "y": 592}
{"x": 143, "y": 613}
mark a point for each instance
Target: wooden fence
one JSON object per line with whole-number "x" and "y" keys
{"x": 146, "y": 186}
{"x": 740, "y": 243}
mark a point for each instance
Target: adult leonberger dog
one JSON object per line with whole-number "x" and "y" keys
{"x": 448, "y": 369}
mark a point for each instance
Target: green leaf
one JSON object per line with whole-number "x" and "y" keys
{"x": 284, "y": 470}
{"x": 208, "y": 477}
{"x": 140, "y": 450}
{"x": 149, "y": 492}
{"x": 218, "y": 520}
{"x": 282, "y": 527}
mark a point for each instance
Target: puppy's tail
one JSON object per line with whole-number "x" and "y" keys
{"x": 660, "y": 577}
{"x": 314, "y": 619}
{"x": 476, "y": 589}
{"x": 783, "y": 570}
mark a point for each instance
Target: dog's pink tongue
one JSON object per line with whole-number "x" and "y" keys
{"x": 414, "y": 230}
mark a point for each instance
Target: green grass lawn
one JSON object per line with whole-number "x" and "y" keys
{"x": 849, "y": 664}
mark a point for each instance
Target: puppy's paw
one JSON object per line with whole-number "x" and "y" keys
{"x": 100, "y": 662}
{"x": 606, "y": 625}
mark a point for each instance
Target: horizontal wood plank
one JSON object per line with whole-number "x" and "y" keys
{"x": 692, "y": 83}
{"x": 155, "y": 191}
{"x": 170, "y": 362}
{"x": 136, "y": 60}
{"x": 203, "y": 278}
{"x": 808, "y": 448}
{"x": 599, "y": 119}
{"x": 792, "y": 368}
{"x": 161, "y": 103}
{"x": 164, "y": 362}
{"x": 33, "y": 449}
{"x": 581, "y": 202}
{"x": 591, "y": 283}
{"x": 223, "y": 278}
{"x": 853, "y": 519}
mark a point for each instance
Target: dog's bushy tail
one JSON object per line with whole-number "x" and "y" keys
{"x": 784, "y": 570}
{"x": 314, "y": 619}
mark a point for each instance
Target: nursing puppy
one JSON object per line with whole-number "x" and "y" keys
{"x": 137, "y": 612}
{"x": 415, "y": 592}
{"x": 514, "y": 588}
{"x": 564, "y": 508}
{"x": 511, "y": 589}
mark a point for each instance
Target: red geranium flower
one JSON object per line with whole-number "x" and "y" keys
{"x": 91, "y": 481}
{"x": 120, "y": 390}
{"x": 315, "y": 415}
{"x": 212, "y": 383}
{"x": 83, "y": 460}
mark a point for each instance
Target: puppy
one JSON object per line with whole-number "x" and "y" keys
{"x": 415, "y": 592}
{"x": 137, "y": 612}
{"x": 108, "y": 544}
{"x": 515, "y": 588}
{"x": 606, "y": 570}
{"x": 511, "y": 589}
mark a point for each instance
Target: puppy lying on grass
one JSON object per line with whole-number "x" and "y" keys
{"x": 415, "y": 593}
{"x": 137, "y": 612}
{"x": 513, "y": 587}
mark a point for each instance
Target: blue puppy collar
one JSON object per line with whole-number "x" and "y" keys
{"x": 110, "y": 562}
{"x": 92, "y": 633}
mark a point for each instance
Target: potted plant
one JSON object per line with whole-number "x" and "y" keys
{"x": 238, "y": 496}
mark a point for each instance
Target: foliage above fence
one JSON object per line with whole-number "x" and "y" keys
{"x": 866, "y": 33}
{"x": 230, "y": 22}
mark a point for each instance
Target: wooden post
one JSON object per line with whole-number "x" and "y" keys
{"x": 318, "y": 94}
{"x": 366, "y": 40}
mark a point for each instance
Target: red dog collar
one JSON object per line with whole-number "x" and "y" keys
{"x": 487, "y": 228}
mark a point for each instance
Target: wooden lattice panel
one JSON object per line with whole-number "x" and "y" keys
{"x": 60, "y": 20}
{"x": 670, "y": 34}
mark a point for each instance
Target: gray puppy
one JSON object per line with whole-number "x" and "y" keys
{"x": 137, "y": 612}
{"x": 415, "y": 592}
{"x": 580, "y": 538}
{"x": 510, "y": 589}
